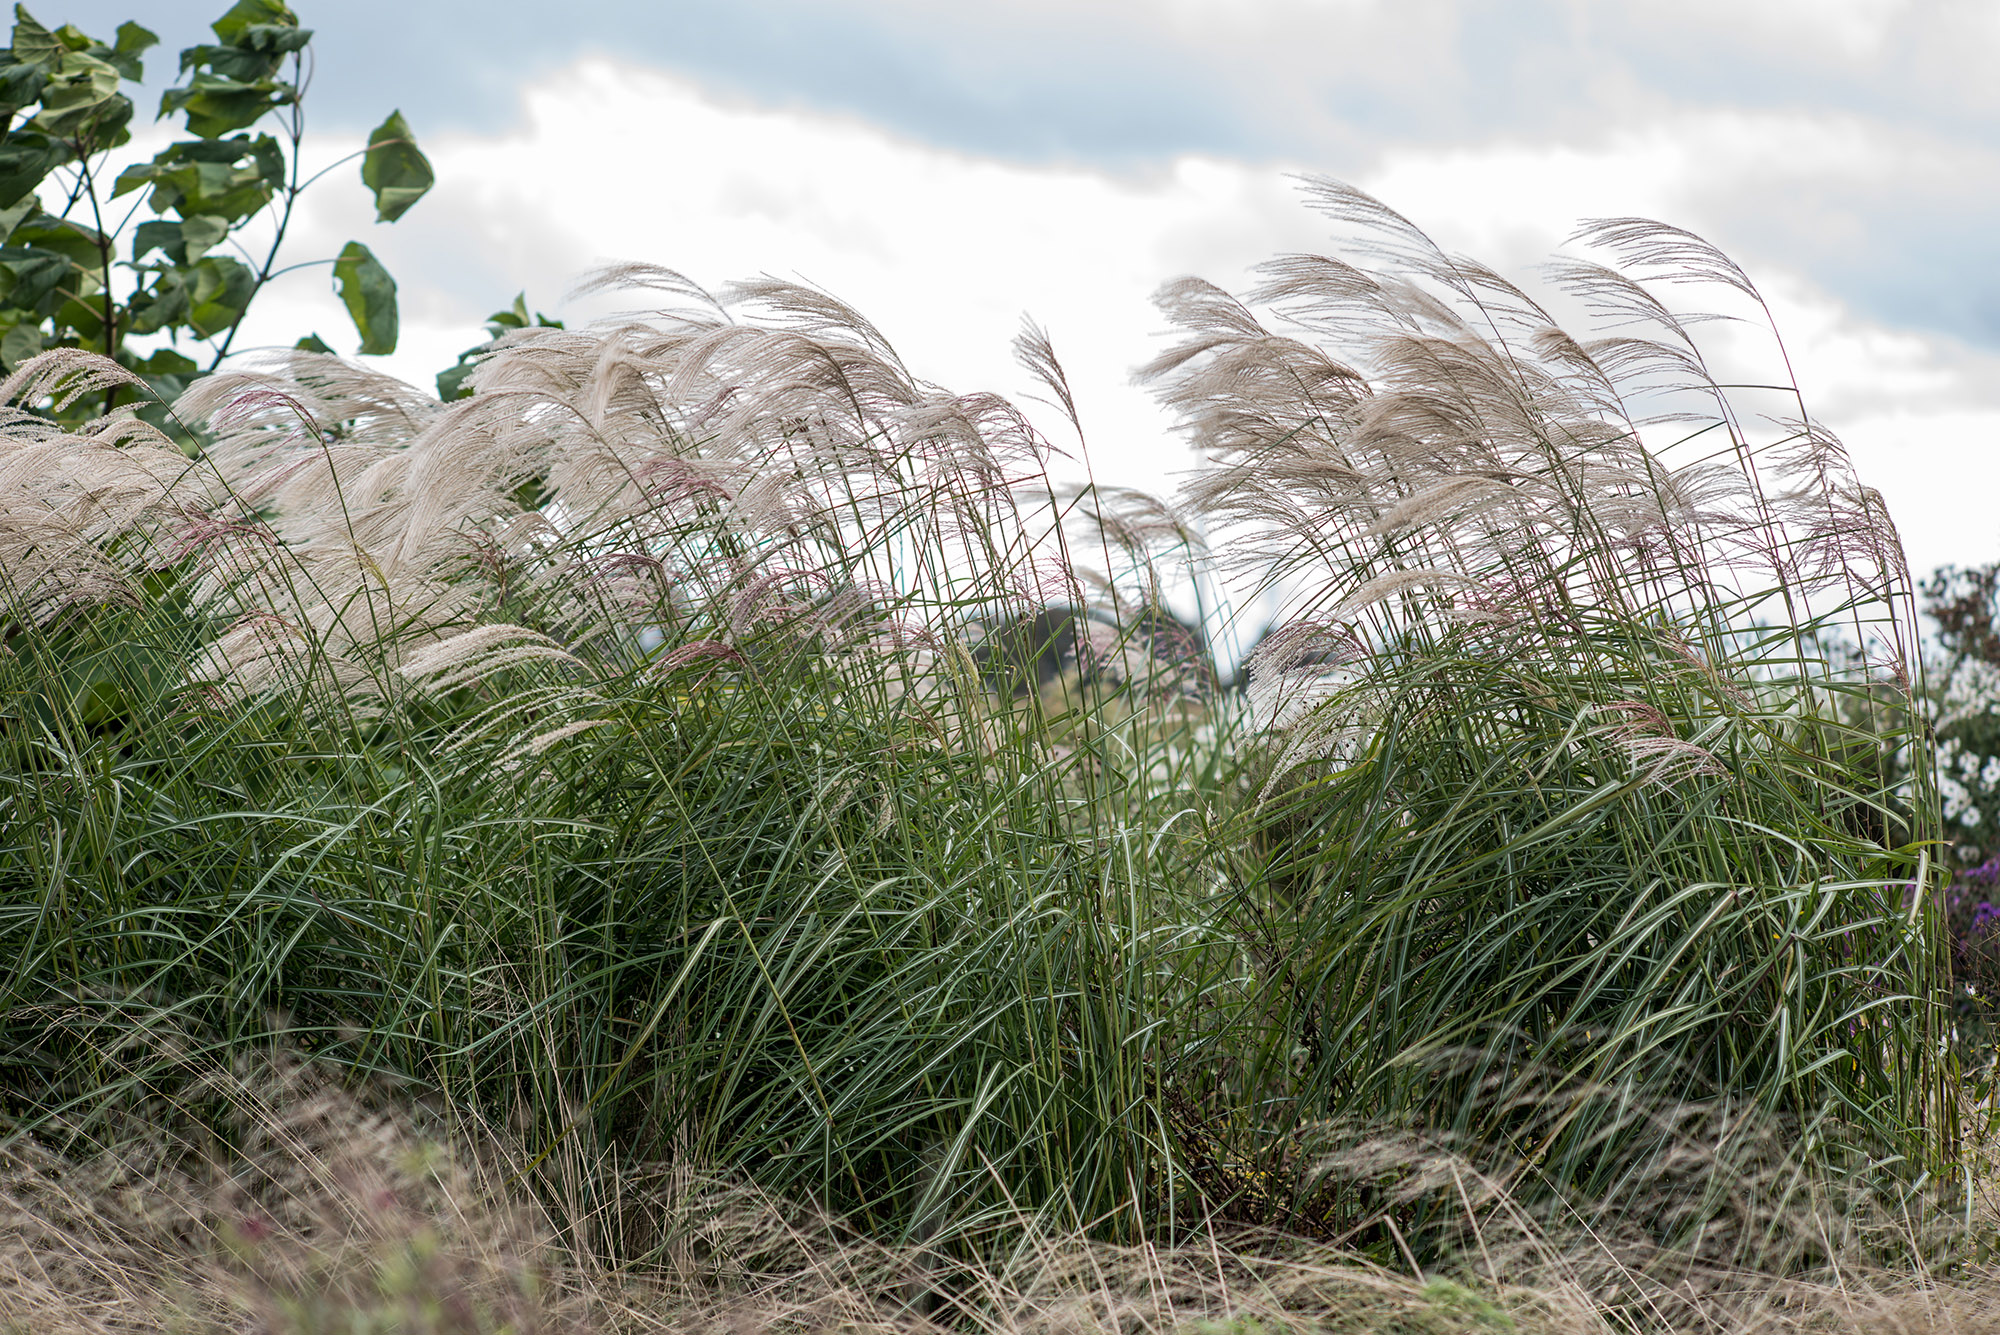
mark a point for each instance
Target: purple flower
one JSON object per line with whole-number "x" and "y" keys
{"x": 1972, "y": 926}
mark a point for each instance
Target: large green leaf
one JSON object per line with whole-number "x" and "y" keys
{"x": 74, "y": 38}
{"x": 275, "y": 38}
{"x": 395, "y": 168}
{"x": 20, "y": 85}
{"x": 222, "y": 291}
{"x": 162, "y": 303}
{"x": 82, "y": 97}
{"x": 370, "y": 296}
{"x": 26, "y": 159}
{"x": 243, "y": 23}
{"x": 20, "y": 342}
{"x": 232, "y": 62}
{"x": 181, "y": 242}
{"x": 16, "y": 213}
{"x": 30, "y": 276}
{"x": 133, "y": 42}
{"x": 451, "y": 381}
{"x": 64, "y": 236}
{"x": 215, "y": 105}
{"x": 79, "y": 311}
{"x": 34, "y": 44}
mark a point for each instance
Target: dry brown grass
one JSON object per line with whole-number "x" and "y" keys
{"x": 317, "y": 1209}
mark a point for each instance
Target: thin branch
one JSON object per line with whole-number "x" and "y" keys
{"x": 295, "y": 132}
{"x": 104, "y": 263}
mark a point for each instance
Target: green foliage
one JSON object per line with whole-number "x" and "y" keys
{"x": 70, "y": 277}
{"x": 236, "y": 84}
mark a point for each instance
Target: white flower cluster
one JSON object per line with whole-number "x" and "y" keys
{"x": 1962, "y": 776}
{"x": 1970, "y": 688}
{"x": 1967, "y": 701}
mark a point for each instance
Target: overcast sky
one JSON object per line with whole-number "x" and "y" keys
{"x": 948, "y": 167}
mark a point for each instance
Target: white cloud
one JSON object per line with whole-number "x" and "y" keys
{"x": 945, "y": 251}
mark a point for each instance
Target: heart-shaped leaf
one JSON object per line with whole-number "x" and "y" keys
{"x": 395, "y": 168}
{"x": 369, "y": 294}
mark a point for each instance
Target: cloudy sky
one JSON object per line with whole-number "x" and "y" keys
{"x": 948, "y": 167}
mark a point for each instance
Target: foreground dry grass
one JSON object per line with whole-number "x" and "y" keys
{"x": 328, "y": 1212}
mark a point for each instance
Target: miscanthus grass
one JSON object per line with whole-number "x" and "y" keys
{"x": 1571, "y": 840}
{"x": 710, "y": 746}
{"x": 608, "y": 752}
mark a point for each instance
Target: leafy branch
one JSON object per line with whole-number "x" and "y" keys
{"x": 65, "y": 111}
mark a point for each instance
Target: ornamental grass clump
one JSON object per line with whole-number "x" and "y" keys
{"x": 1558, "y": 838}
{"x": 604, "y": 753}
{"x": 709, "y": 745}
